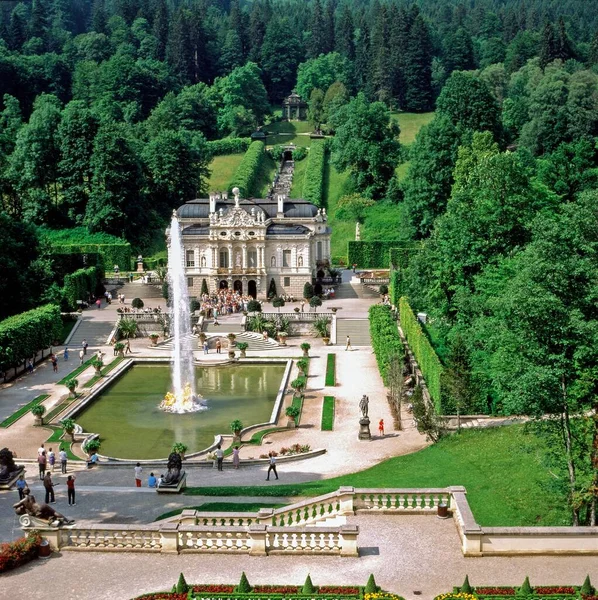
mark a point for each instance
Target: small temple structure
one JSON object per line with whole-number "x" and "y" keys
{"x": 294, "y": 108}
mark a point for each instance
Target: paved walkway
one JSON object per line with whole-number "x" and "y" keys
{"x": 415, "y": 556}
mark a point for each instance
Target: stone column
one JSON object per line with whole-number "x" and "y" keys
{"x": 294, "y": 258}
{"x": 349, "y": 544}
{"x": 345, "y": 500}
{"x": 196, "y": 258}
{"x": 244, "y": 250}
{"x": 230, "y": 257}
{"x": 257, "y": 533}
{"x": 169, "y": 537}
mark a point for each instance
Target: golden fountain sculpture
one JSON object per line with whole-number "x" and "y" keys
{"x": 187, "y": 403}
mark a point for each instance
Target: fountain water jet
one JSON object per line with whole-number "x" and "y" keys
{"x": 183, "y": 397}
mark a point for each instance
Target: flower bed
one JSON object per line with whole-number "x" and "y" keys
{"x": 21, "y": 551}
{"x": 290, "y": 451}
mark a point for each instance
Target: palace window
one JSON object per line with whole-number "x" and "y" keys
{"x": 189, "y": 281}
{"x": 190, "y": 258}
{"x": 286, "y": 282}
{"x": 252, "y": 259}
{"x": 224, "y": 259}
{"x": 319, "y": 251}
{"x": 286, "y": 258}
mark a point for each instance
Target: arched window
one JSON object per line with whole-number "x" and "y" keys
{"x": 252, "y": 259}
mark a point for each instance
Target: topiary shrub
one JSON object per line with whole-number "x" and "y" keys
{"x": 383, "y": 289}
{"x": 370, "y": 586}
{"x": 299, "y": 153}
{"x": 308, "y": 290}
{"x": 466, "y": 587}
{"x": 137, "y": 303}
{"x": 181, "y": 586}
{"x": 272, "y": 289}
{"x": 525, "y": 589}
{"x": 254, "y": 306}
{"x": 204, "y": 287}
{"x": 194, "y": 305}
{"x": 278, "y": 302}
{"x": 243, "y": 587}
{"x": 315, "y": 302}
{"x": 587, "y": 589}
{"x": 308, "y": 587}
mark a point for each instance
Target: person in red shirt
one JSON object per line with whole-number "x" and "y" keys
{"x": 381, "y": 427}
{"x": 70, "y": 487}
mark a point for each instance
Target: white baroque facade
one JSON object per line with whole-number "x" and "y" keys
{"x": 242, "y": 244}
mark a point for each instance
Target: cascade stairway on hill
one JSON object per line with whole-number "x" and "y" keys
{"x": 95, "y": 331}
{"x": 136, "y": 289}
{"x": 357, "y": 329}
{"x": 348, "y": 290}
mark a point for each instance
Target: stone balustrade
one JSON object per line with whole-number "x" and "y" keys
{"x": 400, "y": 500}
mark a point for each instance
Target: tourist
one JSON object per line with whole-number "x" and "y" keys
{"x": 236, "y": 457}
{"x": 160, "y": 480}
{"x": 66, "y": 354}
{"x": 81, "y": 355}
{"x": 138, "y": 471}
{"x": 94, "y": 459}
{"x": 302, "y": 304}
{"x": 218, "y": 346}
{"x": 271, "y": 465}
{"x": 70, "y": 489}
{"x": 41, "y": 450}
{"x": 98, "y": 303}
{"x": 21, "y": 485}
{"x": 128, "y": 347}
{"x": 215, "y": 323}
{"x": 205, "y": 347}
{"x": 62, "y": 455}
{"x": 51, "y": 458}
{"x": 152, "y": 481}
{"x": 29, "y": 365}
{"x": 49, "y": 487}
{"x": 219, "y": 457}
{"x": 42, "y": 462}
{"x": 348, "y": 345}
{"x": 381, "y": 427}
{"x": 84, "y": 345}
{"x": 54, "y": 361}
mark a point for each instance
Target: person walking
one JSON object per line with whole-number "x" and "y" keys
{"x": 219, "y": 457}
{"x": 218, "y": 346}
{"x": 66, "y": 354}
{"x": 54, "y": 365}
{"x": 81, "y": 355}
{"x": 84, "y": 345}
{"x": 51, "y": 459}
{"x": 138, "y": 471}
{"x": 62, "y": 455}
{"x": 236, "y": 459}
{"x": 381, "y": 427}
{"x": 41, "y": 450}
{"x": 42, "y": 461}
{"x": 29, "y": 365}
{"x": 128, "y": 347}
{"x": 271, "y": 465}
{"x": 21, "y": 485}
{"x": 205, "y": 347}
{"x": 49, "y": 487}
{"x": 70, "y": 489}
{"x": 348, "y": 346}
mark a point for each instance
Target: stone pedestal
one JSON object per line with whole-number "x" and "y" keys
{"x": 174, "y": 488}
{"x": 364, "y": 429}
{"x": 12, "y": 477}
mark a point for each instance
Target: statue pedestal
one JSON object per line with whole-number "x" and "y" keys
{"x": 364, "y": 429}
{"x": 12, "y": 477}
{"x": 174, "y": 488}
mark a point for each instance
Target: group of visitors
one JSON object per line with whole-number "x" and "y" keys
{"x": 139, "y": 311}
{"x": 223, "y": 302}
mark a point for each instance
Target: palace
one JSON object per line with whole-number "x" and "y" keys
{"x": 245, "y": 243}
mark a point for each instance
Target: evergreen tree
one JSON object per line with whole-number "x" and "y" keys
{"x": 38, "y": 23}
{"x": 180, "y": 52}
{"x": 593, "y": 57}
{"x": 238, "y": 23}
{"x": 459, "y": 54}
{"x": 344, "y": 38}
{"x": 99, "y": 18}
{"x": 564, "y": 48}
{"x": 330, "y": 24}
{"x": 400, "y": 24}
{"x": 11, "y": 121}
{"x": 458, "y": 380}
{"x": 363, "y": 59}
{"x": 160, "y": 28}
{"x": 258, "y": 23}
{"x": 317, "y": 42}
{"x": 548, "y": 45}
{"x": 382, "y": 67}
{"x": 17, "y": 28}
{"x": 417, "y": 72}
{"x": 232, "y": 51}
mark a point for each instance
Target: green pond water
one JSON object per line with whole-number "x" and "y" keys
{"x": 131, "y": 425}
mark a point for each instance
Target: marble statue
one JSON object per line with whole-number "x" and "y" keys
{"x": 28, "y": 506}
{"x": 363, "y": 405}
{"x": 8, "y": 469}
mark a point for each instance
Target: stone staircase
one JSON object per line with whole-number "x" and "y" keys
{"x": 357, "y": 329}
{"x": 348, "y": 290}
{"x": 96, "y": 333}
{"x": 255, "y": 341}
{"x": 223, "y": 329}
{"x": 136, "y": 289}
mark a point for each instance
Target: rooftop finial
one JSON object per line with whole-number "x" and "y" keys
{"x": 236, "y": 194}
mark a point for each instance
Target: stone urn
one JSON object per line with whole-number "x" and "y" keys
{"x": 282, "y": 338}
{"x": 326, "y": 341}
{"x": 154, "y": 339}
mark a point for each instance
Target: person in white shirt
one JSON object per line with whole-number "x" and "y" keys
{"x": 138, "y": 471}
{"x": 63, "y": 457}
{"x": 41, "y": 450}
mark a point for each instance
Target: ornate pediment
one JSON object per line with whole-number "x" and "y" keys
{"x": 236, "y": 217}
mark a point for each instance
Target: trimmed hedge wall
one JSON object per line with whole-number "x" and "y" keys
{"x": 229, "y": 146}
{"x": 247, "y": 172}
{"x": 395, "y": 286}
{"x": 386, "y": 340}
{"x": 370, "y": 255}
{"x": 424, "y": 353}
{"x": 21, "y": 336}
{"x": 313, "y": 182}
{"x": 78, "y": 286}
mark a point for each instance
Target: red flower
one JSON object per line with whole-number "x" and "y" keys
{"x": 215, "y": 588}
{"x": 495, "y": 591}
{"x": 275, "y": 589}
{"x": 338, "y": 590}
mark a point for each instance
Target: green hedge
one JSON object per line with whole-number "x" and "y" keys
{"x": 113, "y": 250}
{"x": 229, "y": 146}
{"x": 21, "y": 336}
{"x": 328, "y": 413}
{"x": 23, "y": 410}
{"x": 424, "y": 353}
{"x": 79, "y": 286}
{"x": 395, "y": 288}
{"x": 313, "y": 182}
{"x": 246, "y": 174}
{"x": 330, "y": 370}
{"x": 370, "y": 255}
{"x": 386, "y": 340}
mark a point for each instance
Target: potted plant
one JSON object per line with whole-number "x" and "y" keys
{"x": 278, "y": 303}
{"x": 91, "y": 446}
{"x": 98, "y": 363}
{"x": 72, "y": 384}
{"x": 315, "y": 302}
{"x": 305, "y": 347}
{"x": 154, "y": 338}
{"x": 242, "y": 346}
{"x": 297, "y": 309}
{"x": 292, "y": 412}
{"x": 179, "y": 448}
{"x": 302, "y": 365}
{"x": 38, "y": 412}
{"x": 299, "y": 384}
{"x": 282, "y": 337}
{"x": 119, "y": 347}
{"x": 334, "y": 309}
{"x": 69, "y": 427}
{"x": 236, "y": 427}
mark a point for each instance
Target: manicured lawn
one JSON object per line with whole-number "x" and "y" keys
{"x": 337, "y": 185}
{"x": 330, "y": 370}
{"x": 293, "y": 127}
{"x": 327, "y": 413}
{"x": 410, "y": 124}
{"x": 298, "y": 402}
{"x": 222, "y": 168}
{"x": 298, "y": 176}
{"x": 220, "y": 507}
{"x": 298, "y": 140}
{"x": 76, "y": 371}
{"x": 265, "y": 178}
{"x": 104, "y": 371}
{"x": 504, "y": 469}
